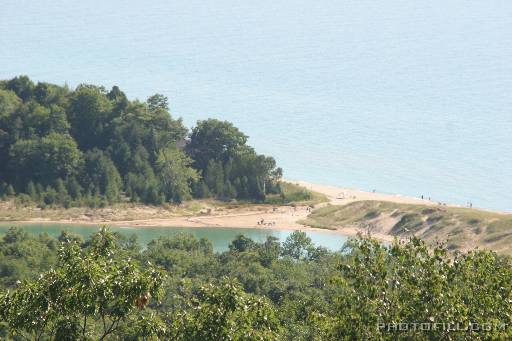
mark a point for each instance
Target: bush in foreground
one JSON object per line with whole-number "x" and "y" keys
{"x": 108, "y": 288}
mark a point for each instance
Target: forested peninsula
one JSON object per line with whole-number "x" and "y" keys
{"x": 94, "y": 147}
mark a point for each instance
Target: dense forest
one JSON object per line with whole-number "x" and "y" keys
{"x": 93, "y": 146}
{"x": 177, "y": 288}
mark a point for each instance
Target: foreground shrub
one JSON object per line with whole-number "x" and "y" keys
{"x": 411, "y": 291}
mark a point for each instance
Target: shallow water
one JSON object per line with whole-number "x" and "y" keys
{"x": 399, "y": 96}
{"x": 220, "y": 237}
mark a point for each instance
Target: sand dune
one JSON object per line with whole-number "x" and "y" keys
{"x": 277, "y": 217}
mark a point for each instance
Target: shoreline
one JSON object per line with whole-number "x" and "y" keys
{"x": 348, "y": 232}
{"x": 330, "y": 190}
{"x": 275, "y": 217}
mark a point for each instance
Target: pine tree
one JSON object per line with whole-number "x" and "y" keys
{"x": 10, "y": 191}
{"x": 32, "y": 191}
{"x": 62, "y": 192}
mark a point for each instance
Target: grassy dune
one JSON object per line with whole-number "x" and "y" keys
{"x": 295, "y": 194}
{"x": 460, "y": 228}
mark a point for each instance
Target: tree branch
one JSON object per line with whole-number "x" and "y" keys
{"x": 85, "y": 324}
{"x": 103, "y": 320}
{"x": 24, "y": 336}
{"x": 110, "y": 329}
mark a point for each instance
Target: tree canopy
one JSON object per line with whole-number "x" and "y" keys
{"x": 104, "y": 148}
{"x": 177, "y": 288}
{"x": 88, "y": 287}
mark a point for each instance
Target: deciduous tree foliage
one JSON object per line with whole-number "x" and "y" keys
{"x": 410, "y": 291}
{"x": 105, "y": 148}
{"x": 88, "y": 288}
{"x": 225, "y": 312}
{"x": 230, "y": 168}
{"x": 176, "y": 175}
{"x": 252, "y": 291}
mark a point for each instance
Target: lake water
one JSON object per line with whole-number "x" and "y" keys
{"x": 409, "y": 97}
{"x": 220, "y": 237}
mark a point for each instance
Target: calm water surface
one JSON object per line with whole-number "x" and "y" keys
{"x": 220, "y": 237}
{"x": 410, "y": 97}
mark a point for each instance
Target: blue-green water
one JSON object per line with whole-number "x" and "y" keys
{"x": 220, "y": 237}
{"x": 401, "y": 96}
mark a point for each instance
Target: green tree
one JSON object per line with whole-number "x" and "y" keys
{"x": 229, "y": 190}
{"x": 175, "y": 173}
{"x": 410, "y": 283}
{"x": 242, "y": 244}
{"x": 62, "y": 193}
{"x": 200, "y": 189}
{"x": 44, "y": 160}
{"x": 102, "y": 175}
{"x": 297, "y": 245}
{"x": 88, "y": 288}
{"x": 74, "y": 188}
{"x": 50, "y": 196}
{"x": 39, "y": 121}
{"x": 119, "y": 99}
{"x": 31, "y": 191}
{"x": 90, "y": 114}
{"x": 269, "y": 251}
{"x": 214, "y": 178}
{"x": 46, "y": 130}
{"x": 67, "y": 237}
{"x": 9, "y": 104}
{"x": 22, "y": 86}
{"x": 49, "y": 94}
{"x": 158, "y": 102}
{"x": 10, "y": 191}
{"x": 225, "y": 312}
{"x": 214, "y": 140}
{"x": 138, "y": 128}
{"x": 23, "y": 256}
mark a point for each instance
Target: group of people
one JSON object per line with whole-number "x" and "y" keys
{"x": 293, "y": 211}
{"x": 264, "y": 223}
{"x": 469, "y": 204}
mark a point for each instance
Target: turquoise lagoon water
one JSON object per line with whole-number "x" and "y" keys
{"x": 409, "y": 97}
{"x": 220, "y": 237}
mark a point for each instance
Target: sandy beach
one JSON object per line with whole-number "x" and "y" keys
{"x": 341, "y": 196}
{"x": 260, "y": 216}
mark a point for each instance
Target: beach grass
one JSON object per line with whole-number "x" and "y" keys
{"x": 11, "y": 210}
{"x": 295, "y": 194}
{"x": 460, "y": 228}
